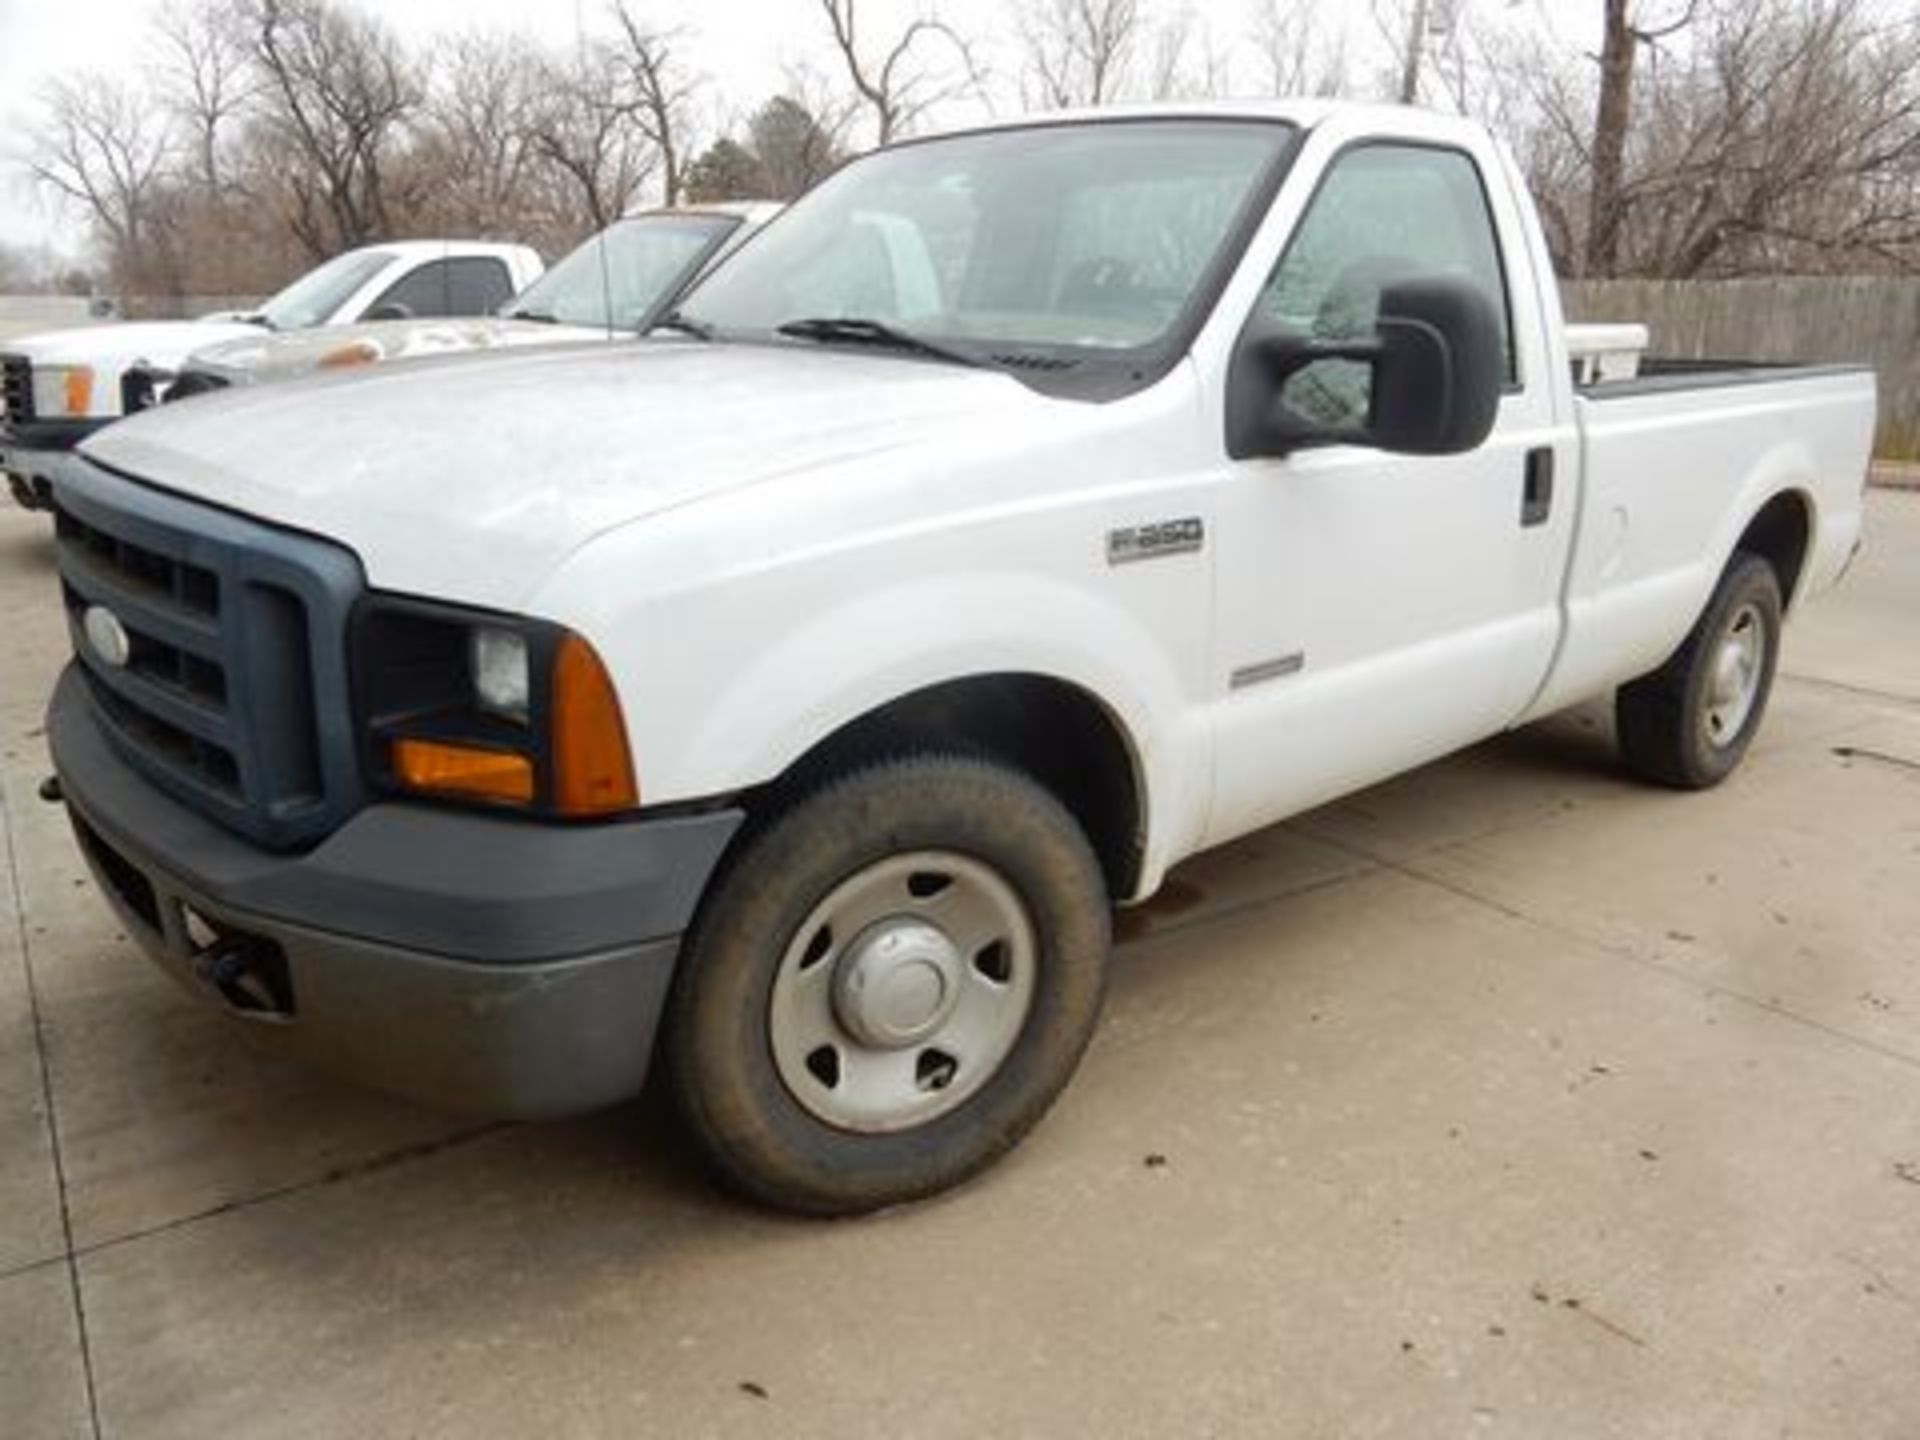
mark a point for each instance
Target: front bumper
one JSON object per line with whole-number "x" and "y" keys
{"x": 31, "y": 453}
{"x": 477, "y": 963}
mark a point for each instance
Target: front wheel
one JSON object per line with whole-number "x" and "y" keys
{"x": 889, "y": 985}
{"x": 1689, "y": 723}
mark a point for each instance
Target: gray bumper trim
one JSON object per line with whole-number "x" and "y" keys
{"x": 472, "y": 963}
{"x": 514, "y": 1042}
{"x": 480, "y": 888}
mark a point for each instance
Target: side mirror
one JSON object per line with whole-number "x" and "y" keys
{"x": 390, "y": 310}
{"x": 1433, "y": 374}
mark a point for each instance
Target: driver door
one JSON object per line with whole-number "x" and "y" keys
{"x": 1375, "y": 610}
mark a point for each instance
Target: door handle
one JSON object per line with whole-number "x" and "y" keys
{"x": 1536, "y": 495}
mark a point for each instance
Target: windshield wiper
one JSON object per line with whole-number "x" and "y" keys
{"x": 542, "y": 316}
{"x": 685, "y": 324}
{"x": 849, "y": 330}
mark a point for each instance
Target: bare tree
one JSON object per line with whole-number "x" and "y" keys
{"x": 479, "y": 132}
{"x": 1759, "y": 136}
{"x": 1185, "y": 60}
{"x": 659, "y": 94}
{"x": 896, "y": 88}
{"x": 337, "y": 93}
{"x": 203, "y": 78}
{"x": 1294, "y": 58}
{"x": 104, "y": 147}
{"x": 1077, "y": 52}
{"x": 583, "y": 132}
{"x": 1790, "y": 141}
{"x": 1620, "y": 46}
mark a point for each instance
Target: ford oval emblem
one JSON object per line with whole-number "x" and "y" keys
{"x": 107, "y": 635}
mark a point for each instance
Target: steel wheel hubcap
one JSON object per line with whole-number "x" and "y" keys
{"x": 897, "y": 983}
{"x": 1733, "y": 682}
{"x": 903, "y": 992}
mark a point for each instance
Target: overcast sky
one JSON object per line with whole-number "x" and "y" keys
{"x": 746, "y": 46}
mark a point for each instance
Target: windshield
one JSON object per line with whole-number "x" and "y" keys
{"x": 312, "y": 299}
{"x": 638, "y": 264}
{"x": 1085, "y": 240}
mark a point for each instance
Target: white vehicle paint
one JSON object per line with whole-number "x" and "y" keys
{"x": 62, "y": 385}
{"x": 788, "y": 541}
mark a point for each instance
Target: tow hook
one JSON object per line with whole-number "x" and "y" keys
{"x": 50, "y": 790}
{"x": 250, "y": 974}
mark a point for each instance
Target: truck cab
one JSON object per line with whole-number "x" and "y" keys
{"x": 1029, "y": 509}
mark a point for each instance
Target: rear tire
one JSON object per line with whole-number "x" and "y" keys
{"x": 889, "y": 985}
{"x": 1689, "y": 723}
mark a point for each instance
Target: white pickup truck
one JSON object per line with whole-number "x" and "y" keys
{"x": 60, "y": 386}
{"x": 615, "y": 285}
{"x": 1030, "y": 508}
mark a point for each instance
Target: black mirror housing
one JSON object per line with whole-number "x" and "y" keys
{"x": 390, "y": 310}
{"x": 1438, "y": 363}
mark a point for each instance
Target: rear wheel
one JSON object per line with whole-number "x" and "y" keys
{"x": 889, "y": 985}
{"x": 1689, "y": 723}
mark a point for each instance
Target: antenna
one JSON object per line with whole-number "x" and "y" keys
{"x": 599, "y": 240}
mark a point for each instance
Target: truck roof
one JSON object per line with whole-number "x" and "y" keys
{"x": 1306, "y": 113}
{"x": 756, "y": 212}
{"x": 406, "y": 248}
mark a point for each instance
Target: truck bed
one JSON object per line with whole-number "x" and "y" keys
{"x": 1677, "y": 460}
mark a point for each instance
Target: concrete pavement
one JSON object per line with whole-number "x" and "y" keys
{"x": 1509, "y": 1097}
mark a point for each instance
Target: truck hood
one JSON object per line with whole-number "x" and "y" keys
{"x": 162, "y": 343}
{"x": 263, "y": 356}
{"x": 472, "y": 478}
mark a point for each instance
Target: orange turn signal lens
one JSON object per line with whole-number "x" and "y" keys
{"x": 79, "y": 388}
{"x": 441, "y": 769}
{"x": 357, "y": 352}
{"x": 592, "y": 770}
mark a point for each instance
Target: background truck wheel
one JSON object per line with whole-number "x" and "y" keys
{"x": 889, "y": 985}
{"x": 1688, "y": 724}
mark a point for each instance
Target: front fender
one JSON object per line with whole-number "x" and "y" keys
{"x": 726, "y": 685}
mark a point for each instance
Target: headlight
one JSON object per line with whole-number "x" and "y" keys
{"x": 62, "y": 391}
{"x": 506, "y": 711}
{"x": 498, "y": 661}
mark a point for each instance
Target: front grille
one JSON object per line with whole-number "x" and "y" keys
{"x": 193, "y": 382}
{"x": 219, "y": 668}
{"x": 16, "y": 388}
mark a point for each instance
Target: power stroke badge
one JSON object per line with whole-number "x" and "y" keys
{"x": 1151, "y": 542}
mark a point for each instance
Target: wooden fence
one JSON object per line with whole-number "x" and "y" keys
{"x": 1870, "y": 319}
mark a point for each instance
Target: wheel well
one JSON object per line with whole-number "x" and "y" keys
{"x": 1053, "y": 731}
{"x": 1779, "y": 535}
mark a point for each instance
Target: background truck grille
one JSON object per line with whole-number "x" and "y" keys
{"x": 232, "y": 692}
{"x": 16, "y": 388}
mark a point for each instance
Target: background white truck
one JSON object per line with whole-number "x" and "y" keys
{"x": 58, "y": 387}
{"x": 615, "y": 285}
{"x": 1043, "y": 504}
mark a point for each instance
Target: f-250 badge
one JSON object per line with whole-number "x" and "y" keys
{"x": 1150, "y": 542}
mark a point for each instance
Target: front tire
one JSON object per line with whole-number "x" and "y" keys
{"x": 889, "y": 985}
{"x": 1689, "y": 723}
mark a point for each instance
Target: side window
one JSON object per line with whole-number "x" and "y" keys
{"x": 477, "y": 285}
{"x": 421, "y": 292}
{"x": 1383, "y": 212}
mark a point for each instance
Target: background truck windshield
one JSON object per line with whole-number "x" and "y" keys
{"x": 1084, "y": 237}
{"x": 313, "y": 298}
{"x": 622, "y": 276}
